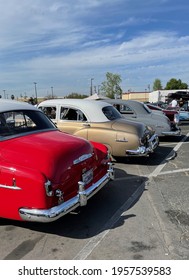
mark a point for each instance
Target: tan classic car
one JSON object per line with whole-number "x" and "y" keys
{"x": 101, "y": 122}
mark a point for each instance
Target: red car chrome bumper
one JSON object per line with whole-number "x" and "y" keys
{"x": 54, "y": 213}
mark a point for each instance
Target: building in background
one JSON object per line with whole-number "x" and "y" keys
{"x": 139, "y": 96}
{"x": 163, "y": 95}
{"x": 152, "y": 97}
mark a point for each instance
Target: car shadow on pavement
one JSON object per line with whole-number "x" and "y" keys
{"x": 175, "y": 139}
{"x": 104, "y": 211}
{"x": 153, "y": 159}
{"x": 183, "y": 123}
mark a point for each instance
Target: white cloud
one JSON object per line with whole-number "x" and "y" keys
{"x": 67, "y": 42}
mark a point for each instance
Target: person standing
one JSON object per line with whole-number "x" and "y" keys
{"x": 174, "y": 103}
{"x": 181, "y": 102}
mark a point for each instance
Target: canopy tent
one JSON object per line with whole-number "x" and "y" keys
{"x": 96, "y": 96}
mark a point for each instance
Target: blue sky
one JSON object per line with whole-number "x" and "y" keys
{"x": 62, "y": 44}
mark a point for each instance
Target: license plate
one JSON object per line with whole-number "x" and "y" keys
{"x": 87, "y": 176}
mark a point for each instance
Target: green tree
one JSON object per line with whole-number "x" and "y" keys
{"x": 176, "y": 84}
{"x": 76, "y": 95}
{"x": 32, "y": 101}
{"x": 111, "y": 87}
{"x": 157, "y": 85}
{"x": 50, "y": 96}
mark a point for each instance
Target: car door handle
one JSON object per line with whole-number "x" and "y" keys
{"x": 86, "y": 124}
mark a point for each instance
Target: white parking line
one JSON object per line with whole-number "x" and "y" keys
{"x": 174, "y": 171}
{"x": 171, "y": 143}
{"x": 158, "y": 169}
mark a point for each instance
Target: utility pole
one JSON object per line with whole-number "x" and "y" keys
{"x": 52, "y": 92}
{"x": 36, "y": 92}
{"x": 99, "y": 86}
{"x": 91, "y": 88}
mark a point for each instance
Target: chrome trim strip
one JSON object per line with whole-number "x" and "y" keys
{"x": 122, "y": 140}
{"x": 10, "y": 187}
{"x": 82, "y": 158}
{"x": 54, "y": 213}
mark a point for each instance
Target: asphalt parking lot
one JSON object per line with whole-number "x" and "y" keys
{"x": 142, "y": 215}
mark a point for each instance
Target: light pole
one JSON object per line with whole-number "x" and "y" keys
{"x": 36, "y": 92}
{"x": 91, "y": 88}
{"x": 52, "y": 92}
{"x": 4, "y": 93}
{"x": 99, "y": 86}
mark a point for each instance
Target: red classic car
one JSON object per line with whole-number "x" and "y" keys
{"x": 173, "y": 115}
{"x": 45, "y": 173}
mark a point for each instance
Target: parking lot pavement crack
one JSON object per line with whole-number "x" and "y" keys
{"x": 184, "y": 237}
{"x": 174, "y": 165}
{"x": 180, "y": 218}
{"x": 167, "y": 243}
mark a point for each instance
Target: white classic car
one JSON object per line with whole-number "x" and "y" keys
{"x": 101, "y": 122}
{"x": 135, "y": 110}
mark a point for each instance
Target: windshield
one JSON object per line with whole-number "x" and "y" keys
{"x": 147, "y": 108}
{"x": 13, "y": 123}
{"x": 111, "y": 113}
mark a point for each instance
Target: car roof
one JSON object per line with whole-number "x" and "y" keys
{"x": 91, "y": 108}
{"x": 136, "y": 106}
{"x": 8, "y": 105}
{"x": 122, "y": 101}
{"x": 154, "y": 106}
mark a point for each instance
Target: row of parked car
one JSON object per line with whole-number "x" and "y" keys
{"x": 57, "y": 156}
{"x": 127, "y": 128}
{"x": 182, "y": 110}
